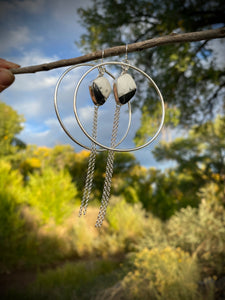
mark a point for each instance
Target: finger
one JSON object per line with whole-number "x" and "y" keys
{"x": 6, "y": 78}
{"x": 8, "y": 64}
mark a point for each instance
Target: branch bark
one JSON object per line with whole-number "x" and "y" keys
{"x": 114, "y": 51}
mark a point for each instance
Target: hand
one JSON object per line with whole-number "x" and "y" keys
{"x": 6, "y": 76}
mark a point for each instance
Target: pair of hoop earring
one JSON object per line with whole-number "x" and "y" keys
{"x": 124, "y": 88}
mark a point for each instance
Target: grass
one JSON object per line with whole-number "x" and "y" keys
{"x": 82, "y": 280}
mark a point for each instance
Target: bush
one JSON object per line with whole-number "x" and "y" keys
{"x": 11, "y": 223}
{"x": 51, "y": 194}
{"x": 126, "y": 225}
{"x": 80, "y": 238}
{"x": 124, "y": 218}
{"x": 202, "y": 233}
{"x": 162, "y": 274}
{"x": 155, "y": 235}
{"x": 11, "y": 182}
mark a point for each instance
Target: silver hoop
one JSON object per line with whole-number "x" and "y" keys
{"x": 60, "y": 120}
{"x": 154, "y": 85}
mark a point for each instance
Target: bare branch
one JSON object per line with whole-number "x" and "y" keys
{"x": 114, "y": 51}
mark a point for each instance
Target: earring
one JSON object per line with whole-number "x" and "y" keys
{"x": 124, "y": 89}
{"x": 99, "y": 92}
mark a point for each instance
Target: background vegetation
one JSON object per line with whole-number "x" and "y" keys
{"x": 164, "y": 233}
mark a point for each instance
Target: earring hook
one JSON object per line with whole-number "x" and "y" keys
{"x": 125, "y": 68}
{"x": 126, "y": 56}
{"x": 102, "y": 69}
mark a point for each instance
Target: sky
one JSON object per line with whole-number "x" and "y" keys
{"x": 39, "y": 31}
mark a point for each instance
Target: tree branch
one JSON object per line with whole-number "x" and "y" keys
{"x": 114, "y": 51}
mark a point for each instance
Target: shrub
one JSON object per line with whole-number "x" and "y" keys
{"x": 80, "y": 238}
{"x": 201, "y": 232}
{"x": 51, "y": 195}
{"x": 125, "y": 218}
{"x": 11, "y": 182}
{"x": 155, "y": 235}
{"x": 162, "y": 274}
{"x": 11, "y": 223}
{"x": 126, "y": 225}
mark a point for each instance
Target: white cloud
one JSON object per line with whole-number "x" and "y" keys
{"x": 16, "y": 38}
{"x": 66, "y": 11}
{"x": 31, "y": 6}
{"x": 29, "y": 110}
{"x": 29, "y": 83}
{"x": 34, "y": 57}
{"x": 38, "y": 81}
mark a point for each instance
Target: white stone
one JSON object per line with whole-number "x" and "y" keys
{"x": 125, "y": 84}
{"x": 103, "y": 85}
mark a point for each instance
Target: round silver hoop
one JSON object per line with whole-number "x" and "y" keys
{"x": 123, "y": 64}
{"x": 59, "y": 117}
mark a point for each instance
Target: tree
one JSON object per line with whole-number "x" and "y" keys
{"x": 172, "y": 191}
{"x": 123, "y": 164}
{"x": 10, "y": 126}
{"x": 187, "y": 74}
{"x": 199, "y": 156}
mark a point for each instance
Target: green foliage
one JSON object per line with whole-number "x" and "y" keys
{"x": 80, "y": 239}
{"x": 11, "y": 223}
{"x": 158, "y": 269}
{"x": 131, "y": 195}
{"x": 199, "y": 156}
{"x": 151, "y": 118}
{"x": 51, "y": 194}
{"x": 127, "y": 224}
{"x": 10, "y": 125}
{"x": 202, "y": 233}
{"x": 155, "y": 235}
{"x": 162, "y": 274}
{"x": 199, "y": 231}
{"x": 34, "y": 159}
{"x": 165, "y": 259}
{"x": 172, "y": 191}
{"x": 123, "y": 164}
{"x": 137, "y": 187}
{"x": 63, "y": 157}
{"x": 131, "y": 216}
{"x": 187, "y": 73}
{"x": 10, "y": 181}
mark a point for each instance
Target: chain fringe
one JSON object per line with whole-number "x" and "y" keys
{"x": 109, "y": 170}
{"x": 91, "y": 167}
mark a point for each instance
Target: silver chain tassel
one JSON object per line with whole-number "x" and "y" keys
{"x": 109, "y": 170}
{"x": 91, "y": 166}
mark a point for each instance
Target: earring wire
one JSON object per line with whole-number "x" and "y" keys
{"x": 125, "y": 68}
{"x": 102, "y": 68}
{"x": 126, "y": 56}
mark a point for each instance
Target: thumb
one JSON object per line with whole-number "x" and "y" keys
{"x": 6, "y": 78}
